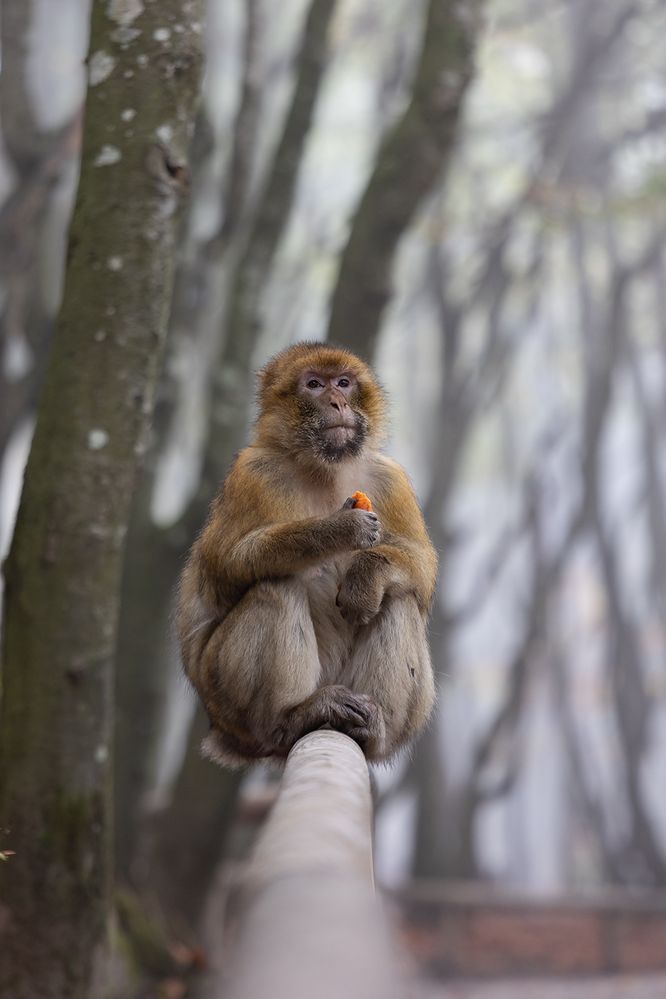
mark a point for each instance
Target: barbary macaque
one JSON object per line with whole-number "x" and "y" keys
{"x": 297, "y": 608}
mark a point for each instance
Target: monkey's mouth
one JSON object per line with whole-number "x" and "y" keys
{"x": 341, "y": 440}
{"x": 340, "y": 431}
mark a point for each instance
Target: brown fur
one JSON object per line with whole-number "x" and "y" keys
{"x": 293, "y": 611}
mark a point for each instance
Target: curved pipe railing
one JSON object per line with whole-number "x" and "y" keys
{"x": 311, "y": 927}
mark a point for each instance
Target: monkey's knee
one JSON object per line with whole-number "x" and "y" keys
{"x": 411, "y": 661}
{"x": 263, "y": 659}
{"x": 391, "y": 663}
{"x": 268, "y": 631}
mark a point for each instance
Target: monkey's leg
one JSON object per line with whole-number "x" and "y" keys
{"x": 391, "y": 664}
{"x": 259, "y": 675}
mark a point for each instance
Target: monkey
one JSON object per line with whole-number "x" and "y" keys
{"x": 297, "y": 610}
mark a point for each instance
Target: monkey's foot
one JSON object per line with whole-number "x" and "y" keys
{"x": 336, "y": 707}
{"x": 357, "y": 715}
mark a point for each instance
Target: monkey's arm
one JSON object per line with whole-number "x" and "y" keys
{"x": 249, "y": 535}
{"x": 283, "y": 549}
{"x": 405, "y": 560}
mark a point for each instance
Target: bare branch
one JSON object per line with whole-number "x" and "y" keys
{"x": 411, "y": 161}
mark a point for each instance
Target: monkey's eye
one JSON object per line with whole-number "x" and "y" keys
{"x": 313, "y": 384}
{"x": 343, "y": 383}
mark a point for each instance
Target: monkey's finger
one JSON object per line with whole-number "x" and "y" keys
{"x": 349, "y": 503}
{"x": 357, "y": 713}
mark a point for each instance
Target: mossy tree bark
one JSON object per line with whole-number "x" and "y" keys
{"x": 63, "y": 572}
{"x": 411, "y": 160}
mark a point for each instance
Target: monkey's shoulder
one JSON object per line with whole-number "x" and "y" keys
{"x": 261, "y": 483}
{"x": 389, "y": 479}
{"x": 253, "y": 469}
{"x": 395, "y": 500}
{"x": 251, "y": 461}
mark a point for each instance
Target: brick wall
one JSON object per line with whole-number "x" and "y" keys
{"x": 468, "y": 931}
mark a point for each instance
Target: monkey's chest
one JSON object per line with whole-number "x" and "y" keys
{"x": 333, "y": 634}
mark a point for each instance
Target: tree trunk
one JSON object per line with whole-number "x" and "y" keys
{"x": 234, "y": 387}
{"x": 63, "y": 572}
{"x": 411, "y": 159}
{"x": 182, "y": 843}
{"x": 38, "y": 160}
{"x": 232, "y": 393}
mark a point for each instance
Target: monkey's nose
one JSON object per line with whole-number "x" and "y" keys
{"x": 337, "y": 405}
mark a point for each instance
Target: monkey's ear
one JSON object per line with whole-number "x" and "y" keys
{"x": 265, "y": 380}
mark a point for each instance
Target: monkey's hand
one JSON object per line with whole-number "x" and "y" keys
{"x": 360, "y": 528}
{"x": 362, "y": 589}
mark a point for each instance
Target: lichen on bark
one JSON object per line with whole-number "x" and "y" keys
{"x": 63, "y": 571}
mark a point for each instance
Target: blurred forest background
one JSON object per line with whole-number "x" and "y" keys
{"x": 471, "y": 198}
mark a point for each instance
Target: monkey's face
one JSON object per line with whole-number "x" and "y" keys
{"x": 319, "y": 403}
{"x": 331, "y": 425}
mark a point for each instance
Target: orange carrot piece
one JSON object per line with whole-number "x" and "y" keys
{"x": 361, "y": 501}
